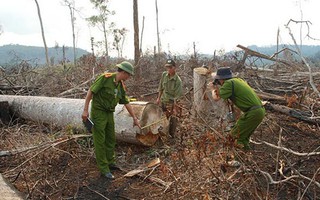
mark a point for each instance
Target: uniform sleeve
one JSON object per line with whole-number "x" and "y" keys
{"x": 124, "y": 98}
{"x": 98, "y": 84}
{"x": 225, "y": 90}
{"x": 178, "y": 89}
{"x": 160, "y": 88}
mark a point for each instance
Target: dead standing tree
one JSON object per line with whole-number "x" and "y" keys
{"x": 158, "y": 36}
{"x": 136, "y": 32}
{"x": 71, "y": 5}
{"x": 42, "y": 32}
{"x": 300, "y": 54}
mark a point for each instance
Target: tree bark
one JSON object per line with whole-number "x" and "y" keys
{"x": 67, "y": 112}
{"x": 136, "y": 32}
{"x": 42, "y": 32}
{"x": 141, "y": 36}
{"x": 158, "y": 34}
{"x": 298, "y": 114}
{"x": 203, "y": 102}
{"x": 71, "y": 6}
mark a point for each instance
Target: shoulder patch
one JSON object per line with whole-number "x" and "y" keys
{"x": 107, "y": 75}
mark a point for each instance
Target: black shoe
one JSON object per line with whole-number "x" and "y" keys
{"x": 114, "y": 167}
{"x": 108, "y": 175}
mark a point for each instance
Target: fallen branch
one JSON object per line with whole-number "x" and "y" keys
{"x": 312, "y": 180}
{"x": 269, "y": 96}
{"x": 292, "y": 113}
{"x": 75, "y": 88}
{"x": 146, "y": 167}
{"x": 143, "y": 168}
{"x": 21, "y": 150}
{"x": 286, "y": 149}
{"x": 149, "y": 94}
{"x": 271, "y": 181}
{"x": 43, "y": 145}
{"x": 101, "y": 195}
{"x": 260, "y": 55}
{"x": 48, "y": 146}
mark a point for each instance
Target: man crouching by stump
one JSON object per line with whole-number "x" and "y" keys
{"x": 170, "y": 90}
{"x": 227, "y": 86}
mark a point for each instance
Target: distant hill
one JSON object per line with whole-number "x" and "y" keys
{"x": 14, "y": 54}
{"x": 309, "y": 51}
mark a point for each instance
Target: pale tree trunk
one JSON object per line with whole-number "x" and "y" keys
{"x": 71, "y": 5}
{"x": 67, "y": 112}
{"x": 141, "y": 35}
{"x": 105, "y": 39}
{"x": 136, "y": 32}
{"x": 203, "y": 103}
{"x": 64, "y": 58}
{"x": 158, "y": 35}
{"x": 42, "y": 32}
{"x": 73, "y": 38}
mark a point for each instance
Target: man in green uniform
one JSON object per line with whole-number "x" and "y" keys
{"x": 106, "y": 92}
{"x": 170, "y": 90}
{"x": 242, "y": 96}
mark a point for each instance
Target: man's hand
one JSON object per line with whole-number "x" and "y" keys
{"x": 212, "y": 86}
{"x": 85, "y": 115}
{"x": 215, "y": 94}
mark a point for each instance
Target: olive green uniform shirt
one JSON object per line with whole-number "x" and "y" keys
{"x": 171, "y": 87}
{"x": 244, "y": 96}
{"x": 107, "y": 94}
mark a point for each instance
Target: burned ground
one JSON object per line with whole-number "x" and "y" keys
{"x": 192, "y": 164}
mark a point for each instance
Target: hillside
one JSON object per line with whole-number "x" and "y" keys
{"x": 310, "y": 51}
{"x": 13, "y": 54}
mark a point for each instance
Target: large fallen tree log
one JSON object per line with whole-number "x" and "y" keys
{"x": 67, "y": 112}
{"x": 298, "y": 114}
{"x": 270, "y": 97}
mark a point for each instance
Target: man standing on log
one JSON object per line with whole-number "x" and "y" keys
{"x": 170, "y": 90}
{"x": 106, "y": 92}
{"x": 242, "y": 96}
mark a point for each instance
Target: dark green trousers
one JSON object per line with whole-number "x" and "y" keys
{"x": 246, "y": 125}
{"x": 104, "y": 139}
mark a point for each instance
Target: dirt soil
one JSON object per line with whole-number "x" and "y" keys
{"x": 193, "y": 163}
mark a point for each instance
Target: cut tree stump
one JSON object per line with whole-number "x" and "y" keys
{"x": 203, "y": 104}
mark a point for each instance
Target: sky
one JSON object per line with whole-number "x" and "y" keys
{"x": 209, "y": 24}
